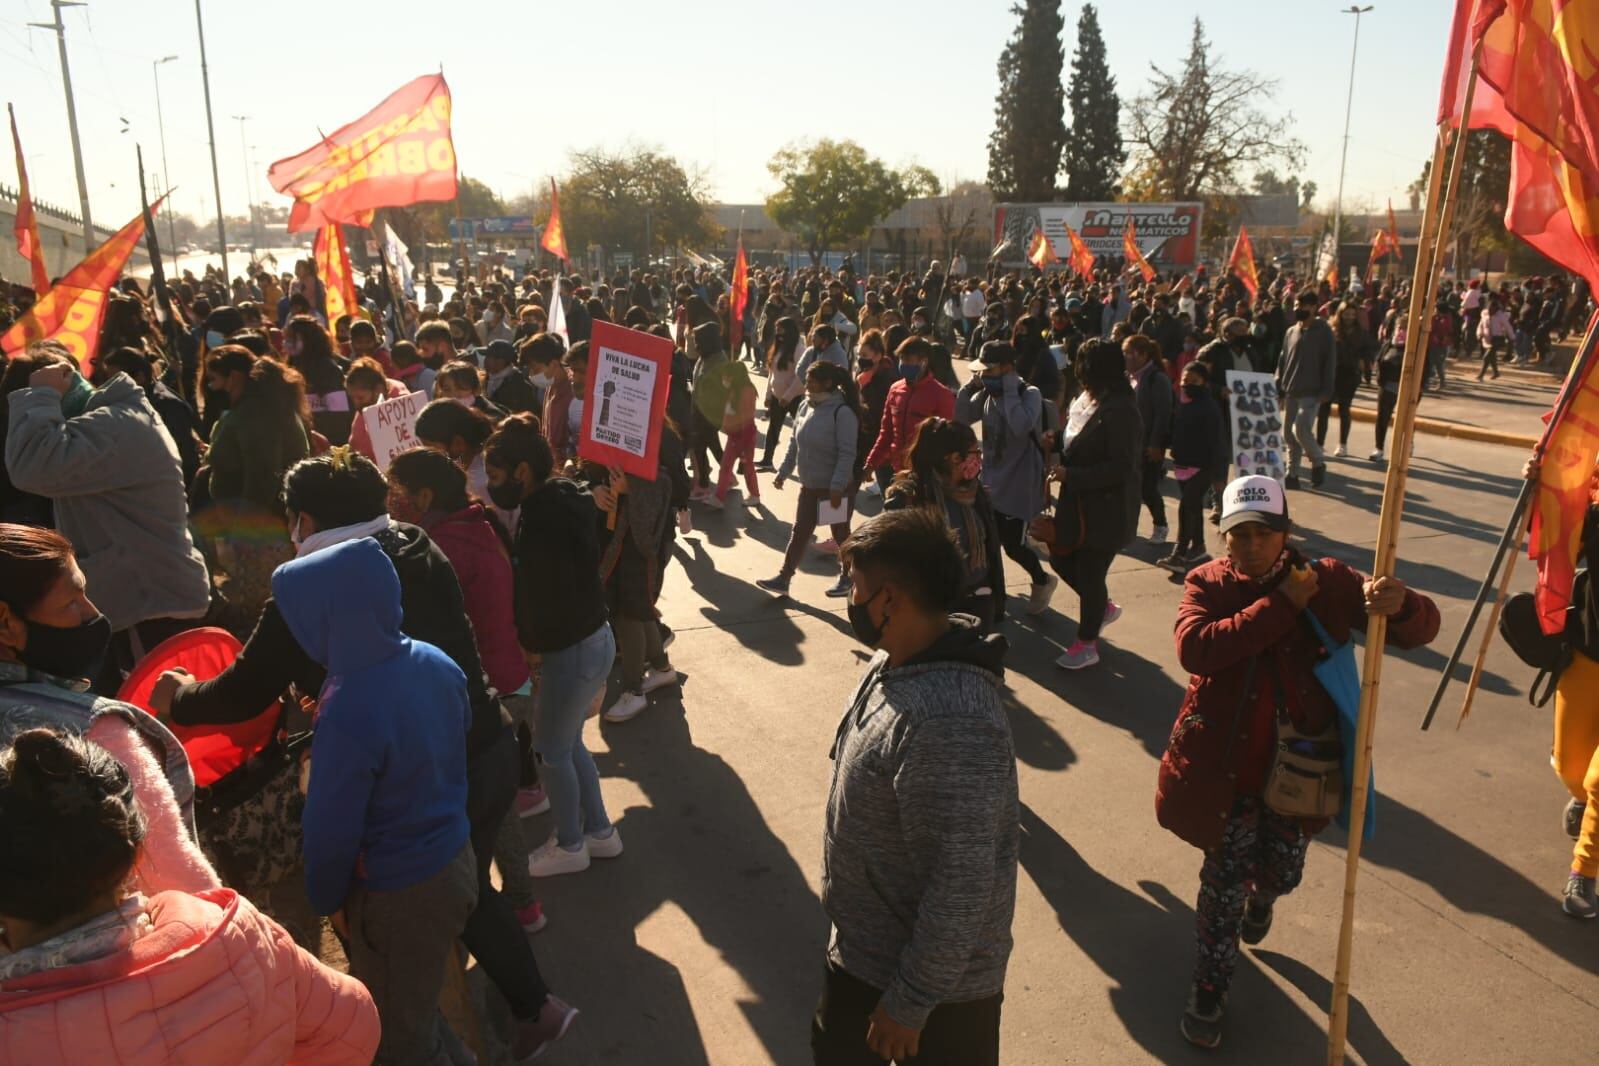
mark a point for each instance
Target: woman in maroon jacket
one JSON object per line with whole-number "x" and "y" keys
{"x": 1242, "y": 634}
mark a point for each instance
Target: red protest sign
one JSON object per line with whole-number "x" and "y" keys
{"x": 629, "y": 376}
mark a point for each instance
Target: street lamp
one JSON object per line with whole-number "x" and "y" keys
{"x": 1349, "y": 104}
{"x": 249, "y": 197}
{"x": 166, "y": 173}
{"x": 60, "y": 29}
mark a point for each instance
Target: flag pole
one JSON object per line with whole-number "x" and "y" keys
{"x": 1522, "y": 528}
{"x": 1423, "y": 289}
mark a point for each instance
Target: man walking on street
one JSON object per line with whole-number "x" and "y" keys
{"x": 919, "y": 854}
{"x": 1304, "y": 383}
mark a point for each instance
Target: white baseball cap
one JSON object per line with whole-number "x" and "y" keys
{"x": 1255, "y": 498}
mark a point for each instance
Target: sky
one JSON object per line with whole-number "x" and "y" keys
{"x": 720, "y": 84}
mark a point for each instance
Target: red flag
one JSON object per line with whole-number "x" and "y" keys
{"x": 1040, "y": 250}
{"x": 26, "y": 226}
{"x": 72, "y": 310}
{"x": 1242, "y": 263}
{"x": 740, "y": 300}
{"x": 398, "y": 153}
{"x": 333, "y": 267}
{"x": 1081, "y": 259}
{"x": 554, "y": 238}
{"x": 1393, "y": 233}
{"x": 1133, "y": 253}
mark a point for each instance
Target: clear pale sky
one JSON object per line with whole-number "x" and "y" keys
{"x": 720, "y": 84}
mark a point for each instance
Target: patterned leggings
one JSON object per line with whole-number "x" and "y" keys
{"x": 1261, "y": 854}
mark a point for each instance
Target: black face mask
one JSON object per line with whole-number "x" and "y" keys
{"x": 866, "y": 631}
{"x": 1194, "y": 392}
{"x": 67, "y": 651}
{"x": 1303, "y": 313}
{"x": 507, "y": 495}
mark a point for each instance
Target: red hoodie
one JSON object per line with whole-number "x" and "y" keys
{"x": 484, "y": 570}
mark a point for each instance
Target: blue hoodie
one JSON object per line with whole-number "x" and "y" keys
{"x": 387, "y": 801}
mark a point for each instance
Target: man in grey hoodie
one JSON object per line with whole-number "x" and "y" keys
{"x": 1304, "y": 383}
{"x": 919, "y": 853}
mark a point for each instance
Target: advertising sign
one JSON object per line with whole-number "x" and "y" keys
{"x": 1168, "y": 234}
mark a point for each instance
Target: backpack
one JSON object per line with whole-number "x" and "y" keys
{"x": 1548, "y": 654}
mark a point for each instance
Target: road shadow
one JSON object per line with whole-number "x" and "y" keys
{"x": 754, "y": 617}
{"x": 1143, "y": 941}
{"x": 701, "y": 848}
{"x": 1363, "y": 1032}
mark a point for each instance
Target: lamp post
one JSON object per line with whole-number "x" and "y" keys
{"x": 249, "y": 198}
{"x": 166, "y": 173}
{"x": 60, "y": 29}
{"x": 211, "y": 133}
{"x": 1349, "y": 105}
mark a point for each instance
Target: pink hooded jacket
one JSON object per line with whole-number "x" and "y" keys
{"x": 213, "y": 982}
{"x": 484, "y": 569}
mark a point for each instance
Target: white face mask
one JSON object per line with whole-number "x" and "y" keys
{"x": 543, "y": 381}
{"x": 294, "y": 533}
{"x": 464, "y": 401}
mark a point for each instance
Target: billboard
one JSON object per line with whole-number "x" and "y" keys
{"x": 496, "y": 226}
{"x": 1168, "y": 234}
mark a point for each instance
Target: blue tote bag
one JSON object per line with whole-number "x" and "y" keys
{"x": 1340, "y": 676}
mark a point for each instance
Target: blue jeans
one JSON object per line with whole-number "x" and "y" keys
{"x": 568, "y": 682}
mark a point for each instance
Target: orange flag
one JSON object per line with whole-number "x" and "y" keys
{"x": 398, "y": 153}
{"x": 1393, "y": 233}
{"x": 1133, "y": 254}
{"x": 1242, "y": 263}
{"x": 1535, "y": 78}
{"x": 26, "y": 226}
{"x": 740, "y": 300}
{"x": 554, "y": 239}
{"x": 1041, "y": 250}
{"x": 333, "y": 267}
{"x": 72, "y": 310}
{"x": 1081, "y": 259}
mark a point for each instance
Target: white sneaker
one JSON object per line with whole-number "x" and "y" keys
{"x": 654, "y": 679}
{"x": 608, "y": 846}
{"x": 1038, "y": 600}
{"x": 1113, "y": 611}
{"x": 713, "y": 501}
{"x": 628, "y": 705}
{"x": 700, "y": 492}
{"x": 1340, "y": 452}
{"x": 1376, "y": 455}
{"x": 549, "y": 859}
{"x": 873, "y": 489}
{"x": 1158, "y": 535}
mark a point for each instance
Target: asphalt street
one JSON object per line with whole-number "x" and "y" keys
{"x": 703, "y": 943}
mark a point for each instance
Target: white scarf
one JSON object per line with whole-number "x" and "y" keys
{"x": 327, "y": 538}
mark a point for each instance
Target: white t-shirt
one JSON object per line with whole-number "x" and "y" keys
{"x": 973, "y": 303}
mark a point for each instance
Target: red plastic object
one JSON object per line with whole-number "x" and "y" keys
{"x": 213, "y": 750}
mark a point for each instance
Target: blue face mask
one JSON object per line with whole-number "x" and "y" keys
{"x": 76, "y": 398}
{"x": 213, "y": 339}
{"x": 994, "y": 386}
{"x": 910, "y": 372}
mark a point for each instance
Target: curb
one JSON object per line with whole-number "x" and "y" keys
{"x": 1458, "y": 430}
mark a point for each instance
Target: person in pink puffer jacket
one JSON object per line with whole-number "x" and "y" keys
{"x": 92, "y": 974}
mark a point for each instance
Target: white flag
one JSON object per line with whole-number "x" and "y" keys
{"x": 399, "y": 261}
{"x": 557, "y": 316}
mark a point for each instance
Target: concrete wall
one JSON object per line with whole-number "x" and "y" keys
{"x": 60, "y": 233}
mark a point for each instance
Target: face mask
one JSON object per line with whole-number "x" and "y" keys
{"x": 866, "y": 631}
{"x": 294, "y": 534}
{"x": 67, "y": 651}
{"x": 865, "y": 364}
{"x": 993, "y": 386}
{"x": 213, "y": 339}
{"x": 401, "y": 509}
{"x": 970, "y": 468}
{"x": 543, "y": 381}
{"x": 814, "y": 398}
{"x": 1303, "y": 313}
{"x": 1193, "y": 392}
{"x": 910, "y": 372}
{"x": 507, "y": 495}
{"x": 464, "y": 401}
{"x": 76, "y": 398}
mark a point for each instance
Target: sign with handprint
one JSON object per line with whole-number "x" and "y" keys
{"x": 630, "y": 376}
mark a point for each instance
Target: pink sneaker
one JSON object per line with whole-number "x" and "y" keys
{"x": 828, "y": 546}
{"x": 534, "y": 1037}
{"x": 1081, "y": 655}
{"x": 533, "y": 918}
{"x": 531, "y": 801}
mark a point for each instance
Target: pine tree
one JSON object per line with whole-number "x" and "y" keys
{"x": 1029, "y": 112}
{"x": 1094, "y": 152}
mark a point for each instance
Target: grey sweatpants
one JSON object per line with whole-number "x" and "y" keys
{"x": 399, "y": 945}
{"x": 1299, "y": 426}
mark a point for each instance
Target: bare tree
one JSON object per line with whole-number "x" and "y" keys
{"x": 959, "y": 213}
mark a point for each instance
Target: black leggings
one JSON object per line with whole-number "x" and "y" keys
{"x": 705, "y": 438}
{"x": 776, "y": 415}
{"x": 1085, "y": 571}
{"x": 1191, "y": 514}
{"x": 1386, "y": 402}
{"x": 1013, "y": 538}
{"x": 1154, "y": 471}
{"x": 1345, "y": 417}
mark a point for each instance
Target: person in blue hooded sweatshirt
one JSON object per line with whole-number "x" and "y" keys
{"x": 385, "y": 827}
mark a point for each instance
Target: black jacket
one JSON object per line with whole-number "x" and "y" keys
{"x": 1198, "y": 435}
{"x": 181, "y": 423}
{"x": 1102, "y": 464}
{"x": 432, "y": 611}
{"x": 517, "y": 394}
{"x": 558, "y": 595}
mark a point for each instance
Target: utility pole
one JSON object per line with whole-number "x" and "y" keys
{"x": 1349, "y": 106}
{"x": 89, "y": 241}
{"x": 166, "y": 172}
{"x": 211, "y": 132}
{"x": 249, "y": 196}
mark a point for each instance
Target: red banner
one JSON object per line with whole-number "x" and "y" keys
{"x": 26, "y": 226}
{"x": 71, "y": 312}
{"x": 629, "y": 378}
{"x": 554, "y": 238}
{"x": 740, "y": 300}
{"x": 333, "y": 267}
{"x": 1133, "y": 254}
{"x": 398, "y": 153}
{"x": 1242, "y": 263}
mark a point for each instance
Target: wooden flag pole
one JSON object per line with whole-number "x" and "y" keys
{"x": 1423, "y": 290}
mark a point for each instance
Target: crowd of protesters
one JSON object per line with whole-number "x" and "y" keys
{"x": 487, "y": 589}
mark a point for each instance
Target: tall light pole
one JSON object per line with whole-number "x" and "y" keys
{"x": 249, "y": 196}
{"x": 72, "y": 117}
{"x": 166, "y": 172}
{"x": 1349, "y": 106}
{"x": 211, "y": 132}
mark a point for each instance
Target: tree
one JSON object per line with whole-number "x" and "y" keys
{"x": 1093, "y": 151}
{"x": 1024, "y": 151}
{"x": 959, "y": 213}
{"x": 1479, "y": 218}
{"x": 476, "y": 200}
{"x": 634, "y": 199}
{"x": 833, "y": 192}
{"x": 1307, "y": 193}
{"x": 1195, "y": 132}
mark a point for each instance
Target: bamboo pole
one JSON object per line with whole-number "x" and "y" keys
{"x": 1423, "y": 291}
{"x": 1522, "y": 526}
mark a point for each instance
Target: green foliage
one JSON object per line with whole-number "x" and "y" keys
{"x": 476, "y": 200}
{"x": 1024, "y": 150}
{"x": 833, "y": 192}
{"x": 1094, "y": 155}
{"x": 625, "y": 200}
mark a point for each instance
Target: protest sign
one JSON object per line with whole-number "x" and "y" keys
{"x": 630, "y": 375}
{"x": 1257, "y": 424}
{"x": 391, "y": 424}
